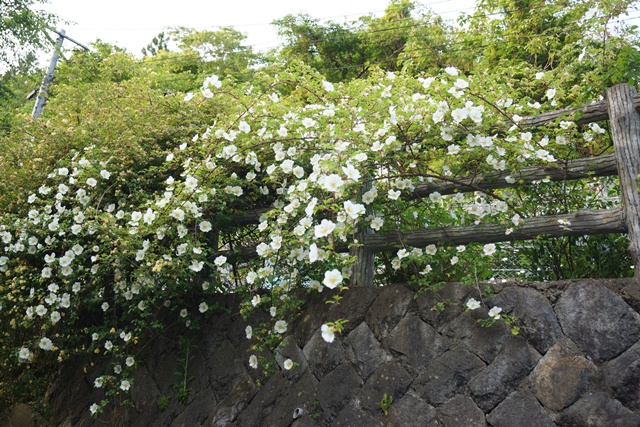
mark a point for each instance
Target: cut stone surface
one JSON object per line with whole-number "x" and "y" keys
{"x": 561, "y": 376}
{"x": 365, "y": 350}
{"x": 391, "y": 379}
{"x": 533, "y": 313}
{"x": 337, "y": 388}
{"x": 388, "y": 308}
{"x": 317, "y": 312}
{"x": 598, "y": 410}
{"x": 305, "y": 421}
{"x": 145, "y": 393}
{"x": 622, "y": 375}
{"x": 226, "y": 370}
{"x": 484, "y": 342}
{"x": 597, "y": 320}
{"x": 227, "y": 411}
{"x": 461, "y": 411}
{"x": 322, "y": 356}
{"x": 446, "y": 375}
{"x": 496, "y": 381}
{"x": 631, "y": 294}
{"x": 453, "y": 296}
{"x": 412, "y": 411}
{"x": 298, "y": 396}
{"x": 478, "y": 368}
{"x": 353, "y": 416}
{"x": 288, "y": 349}
{"x": 520, "y": 409}
{"x": 264, "y": 400}
{"x": 417, "y": 341}
{"x": 198, "y": 411}
{"x": 360, "y": 301}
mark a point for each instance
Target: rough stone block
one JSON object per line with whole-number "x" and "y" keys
{"x": 391, "y": 379}
{"x": 598, "y": 410}
{"x": 358, "y": 300}
{"x": 226, "y": 370}
{"x": 233, "y": 404}
{"x": 417, "y": 341}
{"x": 336, "y": 389}
{"x": 561, "y": 376}
{"x": 198, "y": 411}
{"x": 520, "y": 409}
{"x": 322, "y": 356}
{"x": 597, "y": 320}
{"x": 534, "y": 314}
{"x": 484, "y": 342}
{"x": 461, "y": 411}
{"x": 502, "y": 376}
{"x": 388, "y": 308}
{"x": 446, "y": 375}
{"x": 412, "y": 411}
{"x": 454, "y": 295}
{"x": 365, "y": 350}
{"x": 622, "y": 375}
{"x": 353, "y": 416}
{"x": 288, "y": 349}
{"x": 298, "y": 396}
{"x": 631, "y": 294}
{"x": 263, "y": 402}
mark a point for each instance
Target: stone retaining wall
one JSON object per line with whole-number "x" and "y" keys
{"x": 576, "y": 362}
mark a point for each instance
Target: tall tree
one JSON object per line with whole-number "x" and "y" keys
{"x": 222, "y": 52}
{"x": 158, "y": 43}
{"x": 22, "y": 29}
{"x": 332, "y": 48}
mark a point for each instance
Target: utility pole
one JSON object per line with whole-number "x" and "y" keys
{"x": 48, "y": 78}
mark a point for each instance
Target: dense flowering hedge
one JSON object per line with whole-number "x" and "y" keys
{"x": 99, "y": 263}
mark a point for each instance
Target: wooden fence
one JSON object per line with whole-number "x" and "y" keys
{"x": 621, "y": 107}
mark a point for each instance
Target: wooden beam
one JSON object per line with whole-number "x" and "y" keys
{"x": 574, "y": 169}
{"x": 625, "y": 132}
{"x": 596, "y": 112}
{"x": 581, "y": 223}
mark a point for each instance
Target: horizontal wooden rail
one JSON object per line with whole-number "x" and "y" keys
{"x": 596, "y": 112}
{"x": 574, "y": 169}
{"x": 582, "y": 222}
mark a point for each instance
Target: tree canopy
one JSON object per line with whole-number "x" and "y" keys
{"x": 22, "y": 30}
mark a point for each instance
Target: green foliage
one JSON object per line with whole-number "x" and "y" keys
{"x": 221, "y": 52}
{"x": 23, "y": 30}
{"x": 186, "y": 347}
{"x": 158, "y": 44}
{"x": 15, "y": 85}
{"x": 126, "y": 207}
{"x": 164, "y": 402}
{"x": 385, "y": 403}
{"x": 333, "y": 48}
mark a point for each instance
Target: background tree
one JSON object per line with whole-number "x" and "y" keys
{"x": 22, "y": 30}
{"x": 334, "y": 49}
{"x": 158, "y": 44}
{"x": 23, "y": 33}
{"x": 221, "y": 52}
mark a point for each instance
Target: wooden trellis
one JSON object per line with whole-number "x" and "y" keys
{"x": 621, "y": 107}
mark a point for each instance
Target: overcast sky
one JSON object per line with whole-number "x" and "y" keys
{"x": 133, "y": 23}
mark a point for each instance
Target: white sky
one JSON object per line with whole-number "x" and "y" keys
{"x": 133, "y": 23}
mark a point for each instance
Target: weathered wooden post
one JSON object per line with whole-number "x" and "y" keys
{"x": 625, "y": 131}
{"x": 364, "y": 269}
